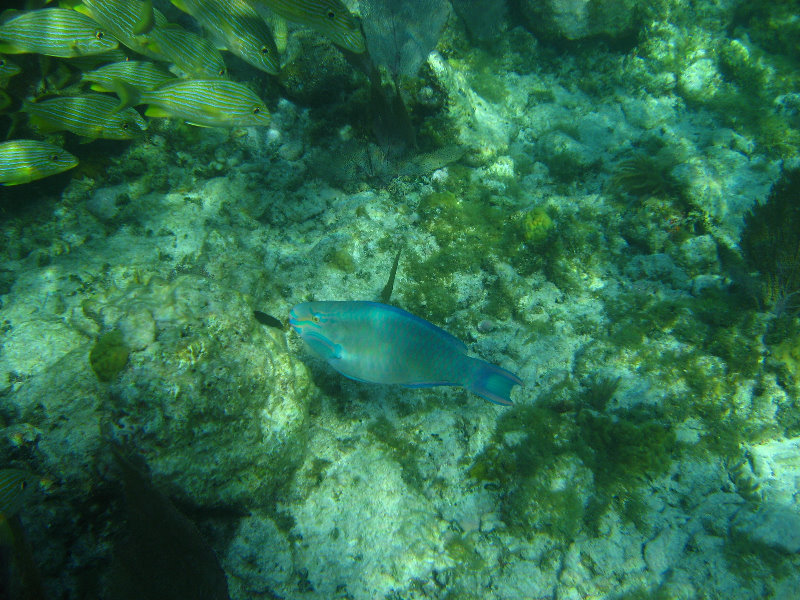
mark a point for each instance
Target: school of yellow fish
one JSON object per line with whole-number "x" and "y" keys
{"x": 140, "y": 58}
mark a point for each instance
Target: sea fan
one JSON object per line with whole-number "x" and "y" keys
{"x": 401, "y": 34}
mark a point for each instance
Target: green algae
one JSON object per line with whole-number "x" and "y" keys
{"x": 560, "y": 467}
{"x": 536, "y": 226}
{"x": 771, "y": 244}
{"x": 401, "y": 450}
{"x": 753, "y": 560}
{"x": 341, "y": 258}
{"x": 461, "y": 549}
{"x": 109, "y": 355}
{"x": 645, "y": 173}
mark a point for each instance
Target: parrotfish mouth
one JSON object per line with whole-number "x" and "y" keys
{"x": 293, "y": 322}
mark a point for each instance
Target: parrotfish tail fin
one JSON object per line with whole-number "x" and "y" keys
{"x": 491, "y": 382}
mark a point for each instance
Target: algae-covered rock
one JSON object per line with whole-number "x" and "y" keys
{"x": 578, "y": 19}
{"x": 109, "y": 355}
{"x": 222, "y": 400}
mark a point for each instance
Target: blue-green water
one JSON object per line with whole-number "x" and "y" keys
{"x": 600, "y": 197}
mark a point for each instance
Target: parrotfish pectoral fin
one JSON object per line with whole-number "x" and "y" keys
{"x": 323, "y": 346}
{"x": 491, "y": 382}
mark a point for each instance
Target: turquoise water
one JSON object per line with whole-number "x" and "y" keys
{"x": 600, "y": 197}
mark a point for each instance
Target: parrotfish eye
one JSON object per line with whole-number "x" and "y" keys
{"x": 264, "y": 50}
{"x": 315, "y": 318}
{"x": 221, "y": 72}
{"x": 256, "y": 110}
{"x": 331, "y": 15}
{"x": 55, "y": 157}
{"x": 2, "y": 62}
{"x": 98, "y": 34}
{"x": 125, "y": 126}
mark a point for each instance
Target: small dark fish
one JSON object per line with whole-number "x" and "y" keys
{"x": 387, "y": 289}
{"x": 267, "y": 320}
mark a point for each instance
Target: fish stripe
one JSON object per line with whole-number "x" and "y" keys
{"x": 90, "y": 115}
{"x": 329, "y": 17}
{"x": 213, "y": 102}
{"x": 240, "y": 27}
{"x": 22, "y": 161}
{"x": 56, "y": 32}
{"x": 166, "y": 41}
{"x": 10, "y": 488}
{"x": 142, "y": 75}
{"x": 188, "y": 51}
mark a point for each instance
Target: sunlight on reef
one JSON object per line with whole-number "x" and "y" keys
{"x": 599, "y": 198}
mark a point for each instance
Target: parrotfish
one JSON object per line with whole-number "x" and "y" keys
{"x": 22, "y": 161}
{"x": 378, "y": 343}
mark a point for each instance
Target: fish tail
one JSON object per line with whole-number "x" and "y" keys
{"x": 491, "y": 382}
{"x": 128, "y": 95}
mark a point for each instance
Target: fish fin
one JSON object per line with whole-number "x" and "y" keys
{"x": 323, "y": 346}
{"x": 10, "y": 49}
{"x": 198, "y": 125}
{"x": 9, "y": 14}
{"x": 386, "y": 293}
{"x": 41, "y": 125}
{"x": 428, "y": 384}
{"x": 96, "y": 87}
{"x": 145, "y": 19}
{"x": 128, "y": 95}
{"x": 180, "y": 5}
{"x": 80, "y": 7}
{"x": 280, "y": 32}
{"x": 491, "y": 382}
{"x": 155, "y": 111}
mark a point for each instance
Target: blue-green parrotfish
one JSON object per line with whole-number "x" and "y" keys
{"x": 378, "y": 343}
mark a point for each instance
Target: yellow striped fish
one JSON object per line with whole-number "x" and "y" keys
{"x": 8, "y": 68}
{"x": 54, "y": 32}
{"x": 122, "y": 19}
{"x": 194, "y": 55}
{"x": 22, "y": 161}
{"x": 329, "y": 17}
{"x": 139, "y": 74}
{"x": 89, "y": 115}
{"x": 239, "y": 28}
{"x": 87, "y": 63}
{"x": 203, "y": 102}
